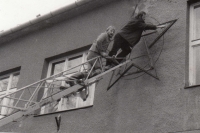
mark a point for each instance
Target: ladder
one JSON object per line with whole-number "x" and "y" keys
{"x": 25, "y": 100}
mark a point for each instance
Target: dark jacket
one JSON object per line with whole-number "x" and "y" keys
{"x": 132, "y": 31}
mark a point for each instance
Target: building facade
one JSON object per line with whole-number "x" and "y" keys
{"x": 136, "y": 103}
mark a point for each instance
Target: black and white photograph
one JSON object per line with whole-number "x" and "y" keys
{"x": 99, "y": 66}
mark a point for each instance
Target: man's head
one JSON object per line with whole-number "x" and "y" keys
{"x": 141, "y": 15}
{"x": 110, "y": 31}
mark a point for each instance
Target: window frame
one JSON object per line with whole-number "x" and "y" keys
{"x": 82, "y": 54}
{"x": 9, "y": 89}
{"x": 192, "y": 44}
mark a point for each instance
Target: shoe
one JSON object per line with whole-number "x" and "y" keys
{"x": 58, "y": 100}
{"x": 63, "y": 88}
{"x": 71, "y": 83}
{"x": 80, "y": 82}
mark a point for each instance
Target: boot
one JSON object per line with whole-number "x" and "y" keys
{"x": 79, "y": 75}
{"x": 76, "y": 76}
{"x": 71, "y": 83}
{"x": 63, "y": 88}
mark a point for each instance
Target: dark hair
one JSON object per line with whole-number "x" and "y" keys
{"x": 140, "y": 14}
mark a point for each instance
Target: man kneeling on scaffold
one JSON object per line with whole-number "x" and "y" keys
{"x": 98, "y": 48}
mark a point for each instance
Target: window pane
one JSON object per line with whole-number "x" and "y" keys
{"x": 89, "y": 100}
{"x": 4, "y": 84}
{"x": 67, "y": 103}
{"x": 74, "y": 62}
{"x": 196, "y": 22}
{"x": 1, "y": 102}
{"x": 58, "y": 67}
{"x": 15, "y": 80}
{"x": 197, "y": 64}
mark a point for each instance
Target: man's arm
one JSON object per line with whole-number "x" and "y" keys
{"x": 151, "y": 27}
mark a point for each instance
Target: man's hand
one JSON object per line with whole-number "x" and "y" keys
{"x": 161, "y": 26}
{"x": 104, "y": 54}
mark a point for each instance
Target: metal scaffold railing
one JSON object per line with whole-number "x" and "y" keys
{"x": 25, "y": 100}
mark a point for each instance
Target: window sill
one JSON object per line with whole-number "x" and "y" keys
{"x": 191, "y": 87}
{"x": 37, "y": 115}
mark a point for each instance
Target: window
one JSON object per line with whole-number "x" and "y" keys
{"x": 194, "y": 45}
{"x": 72, "y": 101}
{"x": 8, "y": 84}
